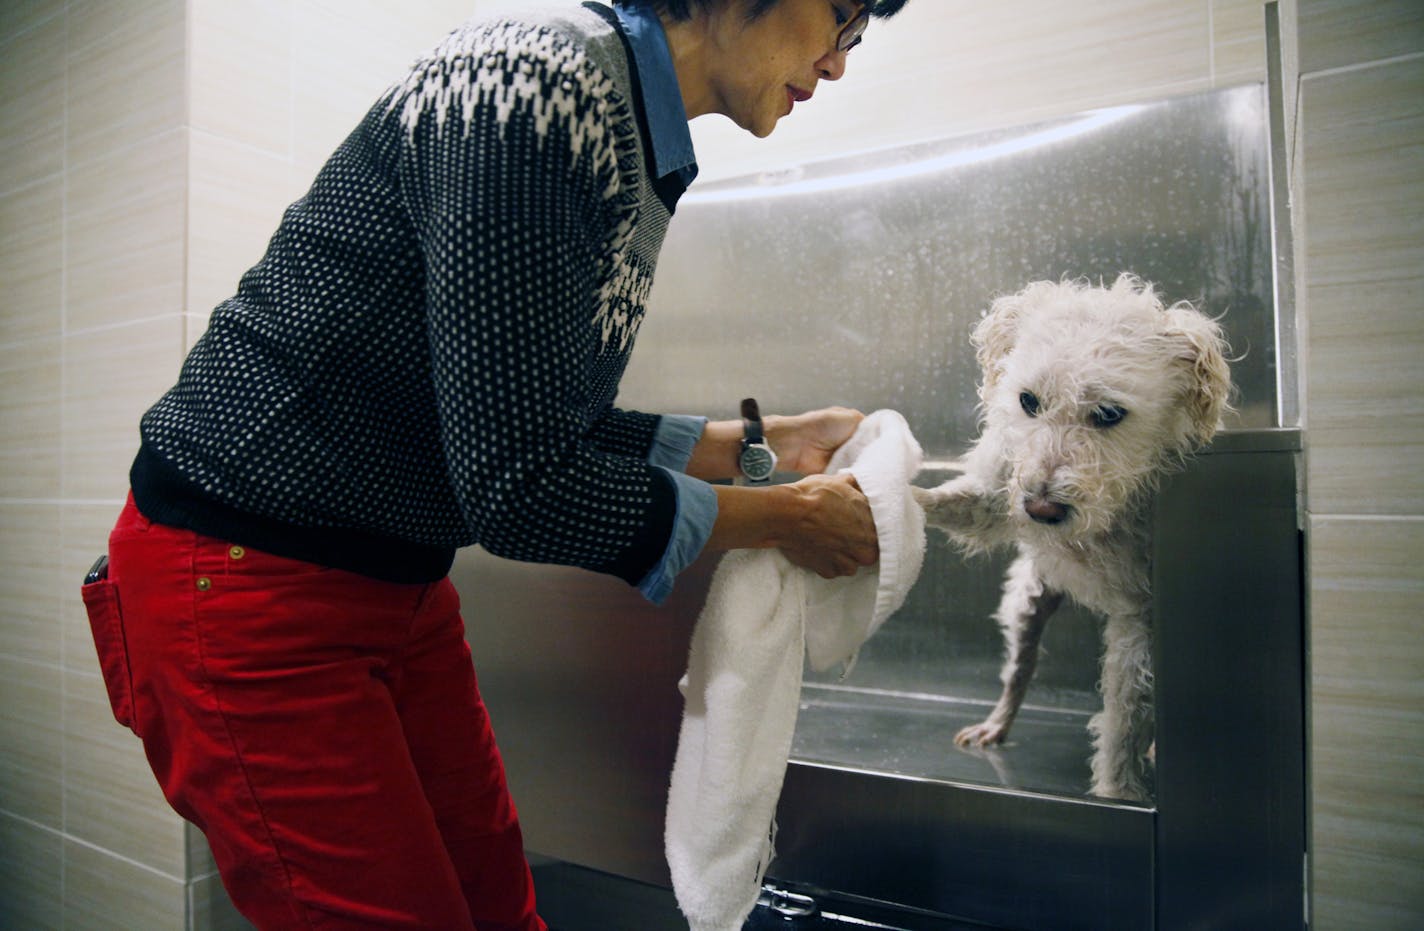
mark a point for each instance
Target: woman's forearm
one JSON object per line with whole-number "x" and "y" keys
{"x": 803, "y": 443}
{"x": 715, "y": 455}
{"x": 821, "y": 522}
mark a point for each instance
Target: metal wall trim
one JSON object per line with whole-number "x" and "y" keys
{"x": 1288, "y": 387}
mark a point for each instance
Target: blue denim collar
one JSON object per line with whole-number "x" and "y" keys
{"x": 662, "y": 97}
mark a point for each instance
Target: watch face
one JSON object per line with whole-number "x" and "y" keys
{"x": 758, "y": 463}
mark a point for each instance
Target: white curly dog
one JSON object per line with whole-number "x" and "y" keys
{"x": 1089, "y": 396}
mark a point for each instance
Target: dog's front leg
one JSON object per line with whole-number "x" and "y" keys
{"x": 968, "y": 510}
{"x": 1023, "y": 613}
{"x": 1122, "y": 731}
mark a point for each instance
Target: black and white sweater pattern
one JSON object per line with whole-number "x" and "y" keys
{"x": 428, "y": 354}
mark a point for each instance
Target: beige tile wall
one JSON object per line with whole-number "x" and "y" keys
{"x": 308, "y": 70}
{"x": 1344, "y": 33}
{"x": 31, "y": 864}
{"x": 1363, "y": 193}
{"x": 1367, "y": 740}
{"x": 1359, "y": 187}
{"x": 148, "y": 148}
{"x": 92, "y": 163}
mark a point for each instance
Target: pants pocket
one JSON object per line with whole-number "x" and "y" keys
{"x": 101, "y": 602}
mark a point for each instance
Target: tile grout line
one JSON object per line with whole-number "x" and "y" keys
{"x": 1362, "y": 66}
{"x": 63, "y": 454}
{"x": 89, "y": 845}
{"x": 1366, "y": 518}
{"x": 62, "y": 501}
{"x": 1211, "y": 42}
{"x": 184, "y": 275}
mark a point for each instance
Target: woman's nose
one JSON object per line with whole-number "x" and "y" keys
{"x": 832, "y": 66}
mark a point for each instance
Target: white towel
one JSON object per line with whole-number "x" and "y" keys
{"x": 743, "y": 682}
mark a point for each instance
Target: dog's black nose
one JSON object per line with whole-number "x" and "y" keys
{"x": 1045, "y": 511}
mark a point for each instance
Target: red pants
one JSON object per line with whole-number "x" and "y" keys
{"x": 323, "y": 729}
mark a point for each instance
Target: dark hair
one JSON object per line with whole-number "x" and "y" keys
{"x": 683, "y": 9}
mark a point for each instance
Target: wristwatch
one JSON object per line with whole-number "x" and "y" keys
{"x": 756, "y": 459}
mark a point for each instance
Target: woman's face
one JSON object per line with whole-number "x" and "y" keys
{"x": 767, "y": 66}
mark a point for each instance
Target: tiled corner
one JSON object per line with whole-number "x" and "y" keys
{"x": 31, "y": 709}
{"x": 199, "y": 854}
{"x": 363, "y": 50}
{"x": 31, "y": 260}
{"x": 194, "y": 326}
{"x": 92, "y": 22}
{"x": 246, "y": 45}
{"x": 211, "y": 909}
{"x": 111, "y": 378}
{"x": 31, "y": 875}
{"x": 111, "y": 798}
{"x": 126, "y": 74}
{"x": 29, "y": 418}
{"x": 30, "y": 582}
{"x": 335, "y": 81}
{"x": 124, "y": 231}
{"x": 1367, "y": 721}
{"x": 1338, "y": 33}
{"x": 102, "y": 890}
{"x": 236, "y": 199}
{"x": 1363, "y": 197}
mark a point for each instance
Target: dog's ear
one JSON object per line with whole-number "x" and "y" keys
{"x": 995, "y": 335}
{"x": 1199, "y": 346}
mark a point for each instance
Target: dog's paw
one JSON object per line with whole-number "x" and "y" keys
{"x": 939, "y": 506}
{"x": 958, "y": 504}
{"x": 1127, "y": 790}
{"x": 984, "y": 734}
{"x": 975, "y": 517}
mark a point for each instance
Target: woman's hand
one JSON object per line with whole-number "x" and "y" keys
{"x": 835, "y": 534}
{"x": 822, "y": 523}
{"x": 805, "y": 443}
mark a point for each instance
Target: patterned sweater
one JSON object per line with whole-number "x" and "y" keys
{"x": 428, "y": 353}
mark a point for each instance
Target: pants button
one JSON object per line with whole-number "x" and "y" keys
{"x": 237, "y": 552}
{"x": 204, "y": 584}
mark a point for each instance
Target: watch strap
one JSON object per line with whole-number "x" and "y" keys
{"x": 751, "y": 422}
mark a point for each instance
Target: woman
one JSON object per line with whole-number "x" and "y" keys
{"x": 427, "y": 358}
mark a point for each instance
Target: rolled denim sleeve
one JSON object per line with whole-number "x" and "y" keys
{"x": 696, "y": 503}
{"x": 674, "y": 439}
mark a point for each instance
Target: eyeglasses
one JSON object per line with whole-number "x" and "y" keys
{"x": 854, "y": 29}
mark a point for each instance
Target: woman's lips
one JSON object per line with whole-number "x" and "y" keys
{"x": 795, "y": 95}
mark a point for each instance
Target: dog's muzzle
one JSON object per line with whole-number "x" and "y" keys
{"x": 1044, "y": 510}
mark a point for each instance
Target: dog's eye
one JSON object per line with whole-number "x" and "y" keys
{"x": 1108, "y": 415}
{"x": 1029, "y": 402}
